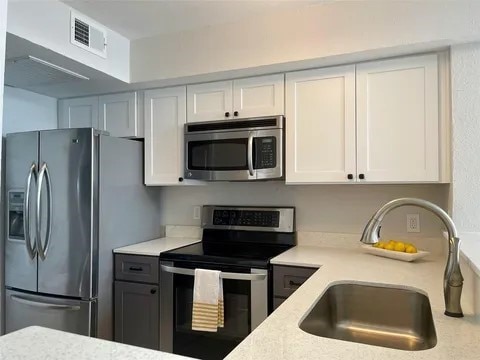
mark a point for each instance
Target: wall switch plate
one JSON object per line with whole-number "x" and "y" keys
{"x": 413, "y": 223}
{"x": 197, "y": 212}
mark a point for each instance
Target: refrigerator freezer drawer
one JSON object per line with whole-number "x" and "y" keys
{"x": 24, "y": 309}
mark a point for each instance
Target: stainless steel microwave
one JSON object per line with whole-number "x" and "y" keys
{"x": 235, "y": 150}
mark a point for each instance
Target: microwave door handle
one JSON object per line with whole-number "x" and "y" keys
{"x": 250, "y": 153}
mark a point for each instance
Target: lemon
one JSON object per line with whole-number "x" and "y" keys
{"x": 399, "y": 246}
{"x": 389, "y": 246}
{"x": 381, "y": 245}
{"x": 411, "y": 249}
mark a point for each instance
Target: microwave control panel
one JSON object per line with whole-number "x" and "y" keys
{"x": 265, "y": 153}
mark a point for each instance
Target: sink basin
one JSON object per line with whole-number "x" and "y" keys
{"x": 376, "y": 315}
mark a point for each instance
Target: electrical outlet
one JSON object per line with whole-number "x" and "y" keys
{"x": 413, "y": 223}
{"x": 196, "y": 212}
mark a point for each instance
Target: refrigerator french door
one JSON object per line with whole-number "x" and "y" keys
{"x": 51, "y": 182}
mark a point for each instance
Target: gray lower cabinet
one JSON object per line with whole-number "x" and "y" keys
{"x": 287, "y": 279}
{"x": 137, "y": 314}
{"x": 137, "y": 301}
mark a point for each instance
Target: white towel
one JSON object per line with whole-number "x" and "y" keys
{"x": 207, "y": 313}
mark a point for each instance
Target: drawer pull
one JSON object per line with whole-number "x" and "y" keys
{"x": 293, "y": 283}
{"x": 135, "y": 268}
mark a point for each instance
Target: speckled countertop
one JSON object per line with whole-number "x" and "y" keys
{"x": 279, "y": 336}
{"x": 40, "y": 343}
{"x": 156, "y": 246}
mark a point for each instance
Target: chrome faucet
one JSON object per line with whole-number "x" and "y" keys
{"x": 452, "y": 279}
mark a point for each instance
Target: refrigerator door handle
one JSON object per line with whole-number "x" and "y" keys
{"x": 48, "y": 234}
{"x": 45, "y": 305}
{"x": 32, "y": 251}
{"x": 44, "y": 174}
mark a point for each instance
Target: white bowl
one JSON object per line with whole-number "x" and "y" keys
{"x": 397, "y": 255}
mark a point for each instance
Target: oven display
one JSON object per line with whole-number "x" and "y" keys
{"x": 257, "y": 218}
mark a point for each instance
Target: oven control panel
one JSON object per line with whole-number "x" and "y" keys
{"x": 249, "y": 218}
{"x": 256, "y": 218}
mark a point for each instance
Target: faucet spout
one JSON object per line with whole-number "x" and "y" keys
{"x": 453, "y": 279}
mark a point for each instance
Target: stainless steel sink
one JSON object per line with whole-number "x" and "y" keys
{"x": 375, "y": 315}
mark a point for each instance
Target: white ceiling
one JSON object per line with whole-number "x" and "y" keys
{"x": 136, "y": 19}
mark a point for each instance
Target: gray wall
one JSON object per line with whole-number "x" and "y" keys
{"x": 26, "y": 111}
{"x": 465, "y": 67}
{"x": 3, "y": 33}
{"x": 326, "y": 208}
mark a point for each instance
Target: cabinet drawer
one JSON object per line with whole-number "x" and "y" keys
{"x": 287, "y": 279}
{"x": 136, "y": 268}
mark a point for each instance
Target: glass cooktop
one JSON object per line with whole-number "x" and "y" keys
{"x": 241, "y": 254}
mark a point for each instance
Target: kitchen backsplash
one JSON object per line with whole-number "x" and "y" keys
{"x": 319, "y": 208}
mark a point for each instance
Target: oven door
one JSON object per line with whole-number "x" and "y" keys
{"x": 245, "y": 294}
{"x": 234, "y": 156}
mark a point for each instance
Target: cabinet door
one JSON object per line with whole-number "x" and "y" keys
{"x": 320, "y": 125}
{"x": 259, "y": 96}
{"x": 78, "y": 112}
{"x": 397, "y": 119}
{"x": 119, "y": 115}
{"x": 210, "y": 101}
{"x": 165, "y": 116}
{"x": 137, "y": 319}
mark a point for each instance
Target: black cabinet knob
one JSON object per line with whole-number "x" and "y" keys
{"x": 135, "y": 268}
{"x": 180, "y": 179}
{"x": 350, "y": 176}
{"x": 153, "y": 291}
{"x": 227, "y": 114}
{"x": 294, "y": 283}
{"x": 361, "y": 176}
{"x": 235, "y": 113}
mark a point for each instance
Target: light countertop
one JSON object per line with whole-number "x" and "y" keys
{"x": 156, "y": 246}
{"x": 40, "y": 343}
{"x": 279, "y": 336}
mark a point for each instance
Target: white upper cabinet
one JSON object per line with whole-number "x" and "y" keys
{"x": 259, "y": 96}
{"x": 78, "y": 112}
{"x": 165, "y": 116}
{"x": 119, "y": 114}
{"x": 397, "y": 120}
{"x": 320, "y": 125}
{"x": 374, "y": 122}
{"x": 242, "y": 98}
{"x": 210, "y": 101}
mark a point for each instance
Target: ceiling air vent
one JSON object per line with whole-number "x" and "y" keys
{"x": 88, "y": 35}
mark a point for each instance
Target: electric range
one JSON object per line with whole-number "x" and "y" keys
{"x": 239, "y": 242}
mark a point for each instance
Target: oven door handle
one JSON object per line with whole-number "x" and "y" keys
{"x": 223, "y": 275}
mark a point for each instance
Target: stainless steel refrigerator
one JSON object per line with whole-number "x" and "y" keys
{"x": 72, "y": 196}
